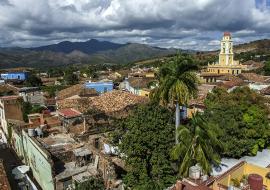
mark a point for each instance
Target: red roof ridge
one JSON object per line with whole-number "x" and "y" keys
{"x": 235, "y": 167}
{"x": 69, "y": 112}
{"x": 227, "y": 34}
{"x": 9, "y": 97}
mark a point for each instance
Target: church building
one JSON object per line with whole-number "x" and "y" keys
{"x": 226, "y": 63}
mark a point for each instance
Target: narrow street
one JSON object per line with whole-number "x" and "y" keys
{"x": 10, "y": 161}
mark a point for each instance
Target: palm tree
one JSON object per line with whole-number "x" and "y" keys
{"x": 198, "y": 144}
{"x": 177, "y": 85}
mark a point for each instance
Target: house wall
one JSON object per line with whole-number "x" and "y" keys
{"x": 39, "y": 161}
{"x": 15, "y": 76}
{"x": 10, "y": 109}
{"x": 224, "y": 70}
{"x": 150, "y": 75}
{"x": 33, "y": 97}
{"x": 17, "y": 142}
{"x": 144, "y": 93}
{"x": 3, "y": 121}
{"x": 253, "y": 169}
{"x": 139, "y": 92}
{"x": 257, "y": 86}
{"x": 239, "y": 172}
{"x": 13, "y": 109}
{"x": 226, "y": 179}
{"x": 100, "y": 87}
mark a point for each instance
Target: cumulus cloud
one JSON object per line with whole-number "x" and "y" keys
{"x": 193, "y": 24}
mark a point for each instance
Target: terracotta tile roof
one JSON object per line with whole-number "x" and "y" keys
{"x": 232, "y": 82}
{"x": 252, "y": 77}
{"x": 8, "y": 88}
{"x": 249, "y": 62}
{"x": 227, "y": 77}
{"x": 116, "y": 101}
{"x": 69, "y": 112}
{"x": 137, "y": 82}
{"x": 265, "y": 91}
{"x": 108, "y": 102}
{"x": 9, "y": 97}
{"x": 77, "y": 89}
{"x": 203, "y": 90}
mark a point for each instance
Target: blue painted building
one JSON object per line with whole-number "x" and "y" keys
{"x": 100, "y": 87}
{"x": 22, "y": 76}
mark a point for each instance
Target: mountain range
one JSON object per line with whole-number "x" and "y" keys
{"x": 97, "y": 52}
{"x": 89, "y": 52}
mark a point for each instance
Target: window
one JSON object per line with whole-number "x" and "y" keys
{"x": 96, "y": 143}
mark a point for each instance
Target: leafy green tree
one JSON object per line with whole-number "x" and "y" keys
{"x": 70, "y": 78}
{"x": 52, "y": 90}
{"x": 146, "y": 139}
{"x": 28, "y": 108}
{"x": 177, "y": 85}
{"x": 33, "y": 81}
{"x": 267, "y": 68}
{"x": 242, "y": 117}
{"x": 198, "y": 144}
{"x": 55, "y": 72}
{"x": 91, "y": 184}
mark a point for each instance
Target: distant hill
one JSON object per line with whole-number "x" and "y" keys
{"x": 98, "y": 52}
{"x": 258, "y": 46}
{"x": 88, "y": 47}
{"x": 136, "y": 52}
{"x": 255, "y": 46}
{"x": 89, "y": 52}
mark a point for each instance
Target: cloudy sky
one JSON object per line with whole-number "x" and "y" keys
{"x": 188, "y": 24}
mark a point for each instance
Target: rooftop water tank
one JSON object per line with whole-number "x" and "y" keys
{"x": 204, "y": 177}
{"x": 255, "y": 181}
{"x": 31, "y": 132}
{"x": 195, "y": 172}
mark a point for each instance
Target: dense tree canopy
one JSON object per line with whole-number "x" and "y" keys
{"x": 242, "y": 119}
{"x": 70, "y": 78}
{"x": 198, "y": 144}
{"x": 33, "y": 81}
{"x": 146, "y": 140}
{"x": 266, "y": 68}
{"x": 177, "y": 84}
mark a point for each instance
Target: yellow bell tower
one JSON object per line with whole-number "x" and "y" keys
{"x": 226, "y": 63}
{"x": 226, "y": 50}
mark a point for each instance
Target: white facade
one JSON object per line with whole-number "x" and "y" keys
{"x": 3, "y": 123}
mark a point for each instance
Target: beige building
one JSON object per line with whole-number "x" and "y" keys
{"x": 10, "y": 109}
{"x": 226, "y": 63}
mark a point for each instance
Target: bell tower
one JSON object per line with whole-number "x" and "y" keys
{"x": 226, "y": 50}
